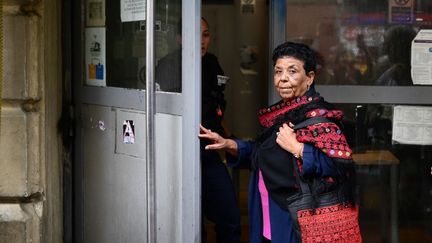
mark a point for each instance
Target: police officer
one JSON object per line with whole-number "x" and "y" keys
{"x": 219, "y": 202}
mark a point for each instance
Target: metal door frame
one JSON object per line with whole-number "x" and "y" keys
{"x": 191, "y": 91}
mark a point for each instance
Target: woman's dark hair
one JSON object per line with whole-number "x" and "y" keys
{"x": 299, "y": 51}
{"x": 205, "y": 20}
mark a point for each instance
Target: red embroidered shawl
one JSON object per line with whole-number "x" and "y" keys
{"x": 327, "y": 137}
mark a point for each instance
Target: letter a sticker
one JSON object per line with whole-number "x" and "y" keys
{"x": 128, "y": 132}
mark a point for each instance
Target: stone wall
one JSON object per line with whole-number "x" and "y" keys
{"x": 30, "y": 165}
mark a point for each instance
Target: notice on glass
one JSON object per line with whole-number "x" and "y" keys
{"x": 132, "y": 10}
{"x": 412, "y": 125}
{"x": 401, "y": 11}
{"x": 95, "y": 56}
{"x": 421, "y": 58}
{"x": 95, "y": 13}
{"x": 247, "y": 6}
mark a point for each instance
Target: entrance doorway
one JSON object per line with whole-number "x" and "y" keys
{"x": 353, "y": 40}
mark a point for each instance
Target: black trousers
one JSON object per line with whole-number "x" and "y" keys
{"x": 219, "y": 201}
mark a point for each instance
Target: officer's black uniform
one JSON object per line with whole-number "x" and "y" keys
{"x": 219, "y": 203}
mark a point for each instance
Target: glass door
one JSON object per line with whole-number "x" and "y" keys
{"x": 136, "y": 167}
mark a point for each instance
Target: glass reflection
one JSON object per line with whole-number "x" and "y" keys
{"x": 168, "y": 47}
{"x": 360, "y": 42}
{"x": 126, "y": 43}
{"x": 125, "y": 49}
{"x": 168, "y": 69}
{"x": 394, "y": 179}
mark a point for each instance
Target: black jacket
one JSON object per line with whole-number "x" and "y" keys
{"x": 213, "y": 100}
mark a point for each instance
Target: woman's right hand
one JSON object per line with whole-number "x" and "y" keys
{"x": 217, "y": 141}
{"x": 286, "y": 138}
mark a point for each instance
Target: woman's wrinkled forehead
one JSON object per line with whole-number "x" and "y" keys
{"x": 283, "y": 58}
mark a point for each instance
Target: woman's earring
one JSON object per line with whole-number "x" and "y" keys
{"x": 307, "y": 86}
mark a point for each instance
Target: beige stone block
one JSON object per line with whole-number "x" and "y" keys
{"x": 14, "y": 2}
{"x": 20, "y": 223}
{"x": 12, "y": 232}
{"x": 14, "y": 56}
{"x": 13, "y": 153}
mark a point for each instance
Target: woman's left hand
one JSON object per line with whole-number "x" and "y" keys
{"x": 286, "y": 138}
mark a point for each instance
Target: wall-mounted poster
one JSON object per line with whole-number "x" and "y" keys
{"x": 95, "y": 56}
{"x": 132, "y": 10}
{"x": 95, "y": 13}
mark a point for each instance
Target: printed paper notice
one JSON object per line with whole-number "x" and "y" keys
{"x": 95, "y": 13}
{"x": 132, "y": 10}
{"x": 95, "y": 56}
{"x": 421, "y": 58}
{"x": 247, "y": 6}
{"x": 412, "y": 125}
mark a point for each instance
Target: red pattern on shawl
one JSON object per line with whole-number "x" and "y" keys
{"x": 268, "y": 115}
{"x": 327, "y": 137}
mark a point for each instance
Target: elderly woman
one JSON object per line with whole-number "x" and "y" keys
{"x": 320, "y": 149}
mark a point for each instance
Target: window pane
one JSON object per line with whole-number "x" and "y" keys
{"x": 394, "y": 179}
{"x": 168, "y": 46}
{"x": 122, "y": 43}
{"x": 126, "y": 49}
{"x": 363, "y": 42}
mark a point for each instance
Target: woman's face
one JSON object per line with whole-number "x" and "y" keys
{"x": 290, "y": 78}
{"x": 205, "y": 37}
